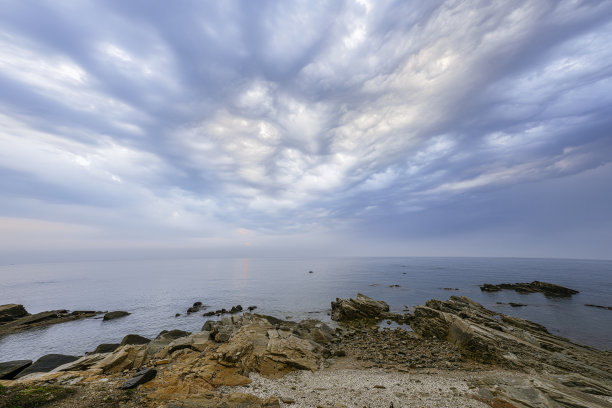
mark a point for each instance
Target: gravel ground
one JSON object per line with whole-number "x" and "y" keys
{"x": 366, "y": 388}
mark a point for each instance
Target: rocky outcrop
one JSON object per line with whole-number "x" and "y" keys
{"x": 362, "y": 307}
{"x": 233, "y": 310}
{"x": 115, "y": 315}
{"x": 16, "y": 321}
{"x": 11, "y": 312}
{"x": 548, "y": 289}
{"x": 9, "y": 369}
{"x": 494, "y": 338}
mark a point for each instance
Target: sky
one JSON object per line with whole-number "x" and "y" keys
{"x": 305, "y": 128}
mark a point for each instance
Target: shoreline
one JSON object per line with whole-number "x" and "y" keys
{"x": 476, "y": 356}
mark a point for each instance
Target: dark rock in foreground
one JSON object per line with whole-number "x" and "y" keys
{"x": 9, "y": 369}
{"x": 11, "y": 312}
{"x": 362, "y": 307}
{"x": 115, "y": 315}
{"x": 47, "y": 363}
{"x": 548, "y": 289}
{"x": 140, "y": 377}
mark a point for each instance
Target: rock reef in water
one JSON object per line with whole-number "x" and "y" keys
{"x": 14, "y": 318}
{"x": 548, "y": 289}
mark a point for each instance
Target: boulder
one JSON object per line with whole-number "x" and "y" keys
{"x": 134, "y": 339}
{"x": 9, "y": 369}
{"x": 46, "y": 364}
{"x": 115, "y": 315}
{"x": 140, "y": 377}
{"x": 363, "y": 307}
{"x": 11, "y": 312}
{"x": 106, "y": 348}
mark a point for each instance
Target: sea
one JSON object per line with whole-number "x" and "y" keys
{"x": 154, "y": 291}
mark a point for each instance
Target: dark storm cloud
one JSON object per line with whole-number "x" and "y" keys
{"x": 199, "y": 118}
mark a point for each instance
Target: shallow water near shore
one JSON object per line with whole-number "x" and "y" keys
{"x": 153, "y": 291}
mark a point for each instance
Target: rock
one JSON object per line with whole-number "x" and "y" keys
{"x": 134, "y": 339}
{"x": 395, "y": 286}
{"x": 359, "y": 308}
{"x": 251, "y": 308}
{"x": 115, "y": 315}
{"x": 140, "y": 377}
{"x": 28, "y": 321}
{"x": 106, "y": 348}
{"x": 177, "y": 315}
{"x": 9, "y": 369}
{"x": 599, "y": 307}
{"x": 46, "y": 364}
{"x": 517, "y": 304}
{"x": 236, "y": 309}
{"x": 548, "y": 289}
{"x": 493, "y": 338}
{"x": 11, "y": 312}
{"x": 125, "y": 357}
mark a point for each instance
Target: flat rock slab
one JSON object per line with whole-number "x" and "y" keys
{"x": 9, "y": 369}
{"x": 140, "y": 377}
{"x": 47, "y": 363}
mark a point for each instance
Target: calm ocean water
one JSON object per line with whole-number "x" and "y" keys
{"x": 155, "y": 290}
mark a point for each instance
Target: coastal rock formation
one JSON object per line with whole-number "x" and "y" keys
{"x": 548, "y": 289}
{"x": 115, "y": 315}
{"x": 362, "y": 307}
{"x": 494, "y": 338}
{"x": 11, "y": 312}
{"x": 14, "y": 318}
{"x": 140, "y": 377}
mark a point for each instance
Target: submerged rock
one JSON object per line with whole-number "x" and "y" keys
{"x": 362, "y": 307}
{"x": 548, "y": 289}
{"x": 115, "y": 315}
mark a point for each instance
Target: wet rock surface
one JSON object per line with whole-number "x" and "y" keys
{"x": 548, "y": 289}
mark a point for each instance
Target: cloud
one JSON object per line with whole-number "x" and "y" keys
{"x": 295, "y": 119}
